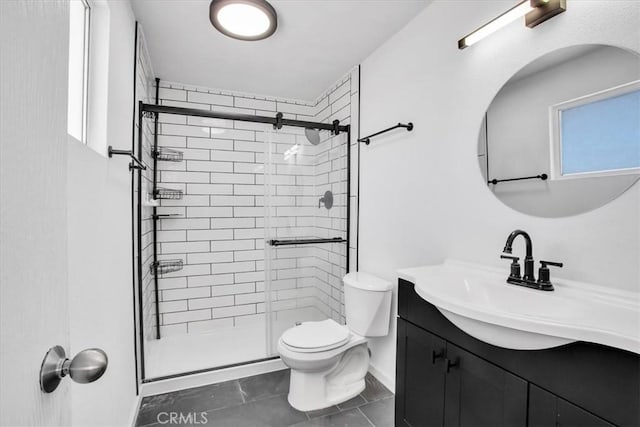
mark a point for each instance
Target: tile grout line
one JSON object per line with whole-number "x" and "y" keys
{"x": 241, "y": 392}
{"x": 367, "y": 418}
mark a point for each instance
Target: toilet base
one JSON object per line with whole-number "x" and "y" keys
{"x": 310, "y": 391}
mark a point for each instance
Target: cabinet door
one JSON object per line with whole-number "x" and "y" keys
{"x": 420, "y": 377}
{"x": 543, "y": 408}
{"x": 570, "y": 415}
{"x": 548, "y": 410}
{"x": 478, "y": 393}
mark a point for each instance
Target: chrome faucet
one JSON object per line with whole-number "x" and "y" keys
{"x": 528, "y": 279}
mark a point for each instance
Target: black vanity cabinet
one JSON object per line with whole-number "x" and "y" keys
{"x": 480, "y": 394}
{"x": 421, "y": 375}
{"x": 546, "y": 409}
{"x": 445, "y": 377}
{"x": 443, "y": 384}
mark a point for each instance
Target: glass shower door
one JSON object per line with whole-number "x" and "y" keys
{"x": 209, "y": 222}
{"x": 305, "y": 228}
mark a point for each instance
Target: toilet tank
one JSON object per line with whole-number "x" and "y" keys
{"x": 367, "y": 304}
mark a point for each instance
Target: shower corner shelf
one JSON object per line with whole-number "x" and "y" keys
{"x": 159, "y": 268}
{"x": 149, "y": 114}
{"x": 167, "y": 216}
{"x": 167, "y": 193}
{"x": 168, "y": 155}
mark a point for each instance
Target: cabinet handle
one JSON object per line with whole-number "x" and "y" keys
{"x": 436, "y": 355}
{"x": 451, "y": 364}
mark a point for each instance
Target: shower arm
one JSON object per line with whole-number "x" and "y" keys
{"x": 138, "y": 164}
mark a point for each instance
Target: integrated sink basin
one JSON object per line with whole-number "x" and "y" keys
{"x": 478, "y": 300}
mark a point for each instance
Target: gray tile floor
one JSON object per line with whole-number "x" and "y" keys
{"x": 261, "y": 401}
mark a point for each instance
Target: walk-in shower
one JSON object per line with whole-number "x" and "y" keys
{"x": 233, "y": 243}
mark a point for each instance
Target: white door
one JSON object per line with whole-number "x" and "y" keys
{"x": 33, "y": 197}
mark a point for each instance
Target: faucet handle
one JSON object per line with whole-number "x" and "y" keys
{"x": 544, "y": 264}
{"x": 544, "y": 276}
{"x": 515, "y": 266}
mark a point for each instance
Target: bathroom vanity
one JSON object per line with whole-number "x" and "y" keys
{"x": 446, "y": 377}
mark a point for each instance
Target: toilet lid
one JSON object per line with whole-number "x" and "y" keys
{"x": 316, "y": 336}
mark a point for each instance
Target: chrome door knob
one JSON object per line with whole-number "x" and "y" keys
{"x": 86, "y": 367}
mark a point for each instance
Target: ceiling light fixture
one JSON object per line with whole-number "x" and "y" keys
{"x": 534, "y": 11}
{"x": 244, "y": 19}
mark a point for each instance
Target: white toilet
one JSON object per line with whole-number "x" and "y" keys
{"x": 329, "y": 361}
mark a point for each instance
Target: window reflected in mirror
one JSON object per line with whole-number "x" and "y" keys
{"x": 597, "y": 135}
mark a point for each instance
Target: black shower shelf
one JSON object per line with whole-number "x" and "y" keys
{"x": 167, "y": 193}
{"x": 168, "y": 155}
{"x": 159, "y": 268}
{"x": 167, "y": 216}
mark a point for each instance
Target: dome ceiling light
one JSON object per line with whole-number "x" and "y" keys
{"x": 244, "y": 19}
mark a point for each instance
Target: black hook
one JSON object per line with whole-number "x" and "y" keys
{"x": 278, "y": 124}
{"x": 336, "y": 127}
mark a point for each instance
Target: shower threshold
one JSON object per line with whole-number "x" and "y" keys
{"x": 197, "y": 352}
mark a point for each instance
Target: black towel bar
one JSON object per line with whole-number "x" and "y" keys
{"x": 367, "y": 139}
{"x": 543, "y": 177}
{"x": 305, "y": 241}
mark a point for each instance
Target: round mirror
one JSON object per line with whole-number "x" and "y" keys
{"x": 562, "y": 136}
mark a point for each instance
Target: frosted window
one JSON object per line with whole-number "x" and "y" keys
{"x": 602, "y": 135}
{"x": 78, "y": 69}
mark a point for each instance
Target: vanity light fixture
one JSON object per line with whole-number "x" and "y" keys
{"x": 534, "y": 11}
{"x": 243, "y": 19}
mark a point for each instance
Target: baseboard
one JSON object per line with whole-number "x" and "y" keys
{"x": 136, "y": 408}
{"x": 389, "y": 383}
{"x": 211, "y": 377}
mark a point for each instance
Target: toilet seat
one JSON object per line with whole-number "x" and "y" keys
{"x": 314, "y": 337}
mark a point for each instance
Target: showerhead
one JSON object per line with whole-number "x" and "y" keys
{"x": 313, "y": 135}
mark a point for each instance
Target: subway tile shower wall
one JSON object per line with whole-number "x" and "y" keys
{"x": 231, "y": 205}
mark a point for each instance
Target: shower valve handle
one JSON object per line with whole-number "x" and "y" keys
{"x": 327, "y": 199}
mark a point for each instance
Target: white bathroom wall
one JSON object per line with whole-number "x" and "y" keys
{"x": 422, "y": 195}
{"x": 99, "y": 216}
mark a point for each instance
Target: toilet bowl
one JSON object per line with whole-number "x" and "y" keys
{"x": 329, "y": 361}
{"x": 323, "y": 374}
